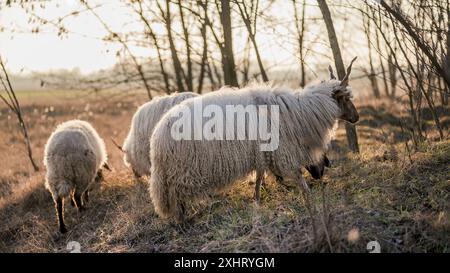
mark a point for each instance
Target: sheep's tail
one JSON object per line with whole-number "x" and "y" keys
{"x": 117, "y": 145}
{"x": 162, "y": 195}
{"x": 61, "y": 189}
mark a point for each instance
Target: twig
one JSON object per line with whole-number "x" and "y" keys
{"x": 14, "y": 105}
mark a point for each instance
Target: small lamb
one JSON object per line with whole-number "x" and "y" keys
{"x": 74, "y": 156}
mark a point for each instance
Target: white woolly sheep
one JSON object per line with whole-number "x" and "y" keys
{"x": 74, "y": 156}
{"x": 136, "y": 146}
{"x": 185, "y": 171}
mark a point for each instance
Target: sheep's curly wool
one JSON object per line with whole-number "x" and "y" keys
{"x": 73, "y": 155}
{"x": 184, "y": 171}
{"x": 136, "y": 146}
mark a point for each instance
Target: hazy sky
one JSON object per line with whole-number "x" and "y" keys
{"x": 45, "y": 51}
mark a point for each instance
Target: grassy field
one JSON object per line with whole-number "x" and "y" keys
{"x": 384, "y": 194}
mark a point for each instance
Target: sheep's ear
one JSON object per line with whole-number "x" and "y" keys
{"x": 338, "y": 93}
{"x": 106, "y": 166}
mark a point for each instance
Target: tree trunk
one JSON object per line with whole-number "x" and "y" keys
{"x": 247, "y": 18}
{"x": 301, "y": 37}
{"x": 176, "y": 61}
{"x": 371, "y": 75}
{"x": 350, "y": 129}
{"x": 246, "y": 62}
{"x": 157, "y": 46}
{"x": 383, "y": 68}
{"x": 229, "y": 67}
{"x": 447, "y": 59}
{"x": 258, "y": 58}
{"x": 204, "y": 60}
{"x": 189, "y": 79}
{"x": 392, "y": 74}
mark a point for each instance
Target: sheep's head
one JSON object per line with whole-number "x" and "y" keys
{"x": 317, "y": 170}
{"x": 99, "y": 178}
{"x": 343, "y": 96}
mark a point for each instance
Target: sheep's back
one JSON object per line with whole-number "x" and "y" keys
{"x": 137, "y": 144}
{"x": 305, "y": 123}
{"x": 70, "y": 160}
{"x": 212, "y": 163}
{"x": 91, "y": 138}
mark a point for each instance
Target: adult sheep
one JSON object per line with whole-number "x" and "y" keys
{"x": 136, "y": 146}
{"x": 185, "y": 171}
{"x": 74, "y": 156}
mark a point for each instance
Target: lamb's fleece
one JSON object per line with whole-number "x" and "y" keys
{"x": 73, "y": 155}
{"x": 184, "y": 171}
{"x": 136, "y": 146}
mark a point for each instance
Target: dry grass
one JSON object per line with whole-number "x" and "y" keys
{"x": 377, "y": 195}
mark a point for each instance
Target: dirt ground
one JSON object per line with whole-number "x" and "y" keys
{"x": 386, "y": 194}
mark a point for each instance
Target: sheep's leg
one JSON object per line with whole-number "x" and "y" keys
{"x": 59, "y": 206}
{"x": 86, "y": 196}
{"x": 259, "y": 181}
{"x": 180, "y": 214}
{"x": 72, "y": 203}
{"x": 302, "y": 183}
{"x": 78, "y": 201}
{"x": 278, "y": 178}
{"x": 310, "y": 207}
{"x": 136, "y": 175}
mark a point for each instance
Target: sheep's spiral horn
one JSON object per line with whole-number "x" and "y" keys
{"x": 331, "y": 73}
{"x": 344, "y": 81}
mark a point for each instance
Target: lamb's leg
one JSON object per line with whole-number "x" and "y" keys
{"x": 278, "y": 178}
{"x": 86, "y": 196}
{"x": 302, "y": 183}
{"x": 59, "y": 206}
{"x": 259, "y": 181}
{"x": 136, "y": 175}
{"x": 308, "y": 202}
{"x": 180, "y": 214}
{"x": 78, "y": 201}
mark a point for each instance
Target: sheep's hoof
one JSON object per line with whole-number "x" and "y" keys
{"x": 257, "y": 199}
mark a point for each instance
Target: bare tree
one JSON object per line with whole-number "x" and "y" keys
{"x": 178, "y": 70}
{"x": 350, "y": 129}
{"x": 189, "y": 78}
{"x": 115, "y": 36}
{"x": 249, "y": 16}
{"x": 371, "y": 73}
{"x": 421, "y": 44}
{"x": 204, "y": 58}
{"x": 156, "y": 43}
{"x": 229, "y": 66}
{"x": 225, "y": 44}
{"x": 13, "y": 104}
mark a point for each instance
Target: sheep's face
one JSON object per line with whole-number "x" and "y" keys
{"x": 348, "y": 109}
{"x": 343, "y": 95}
{"x": 317, "y": 170}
